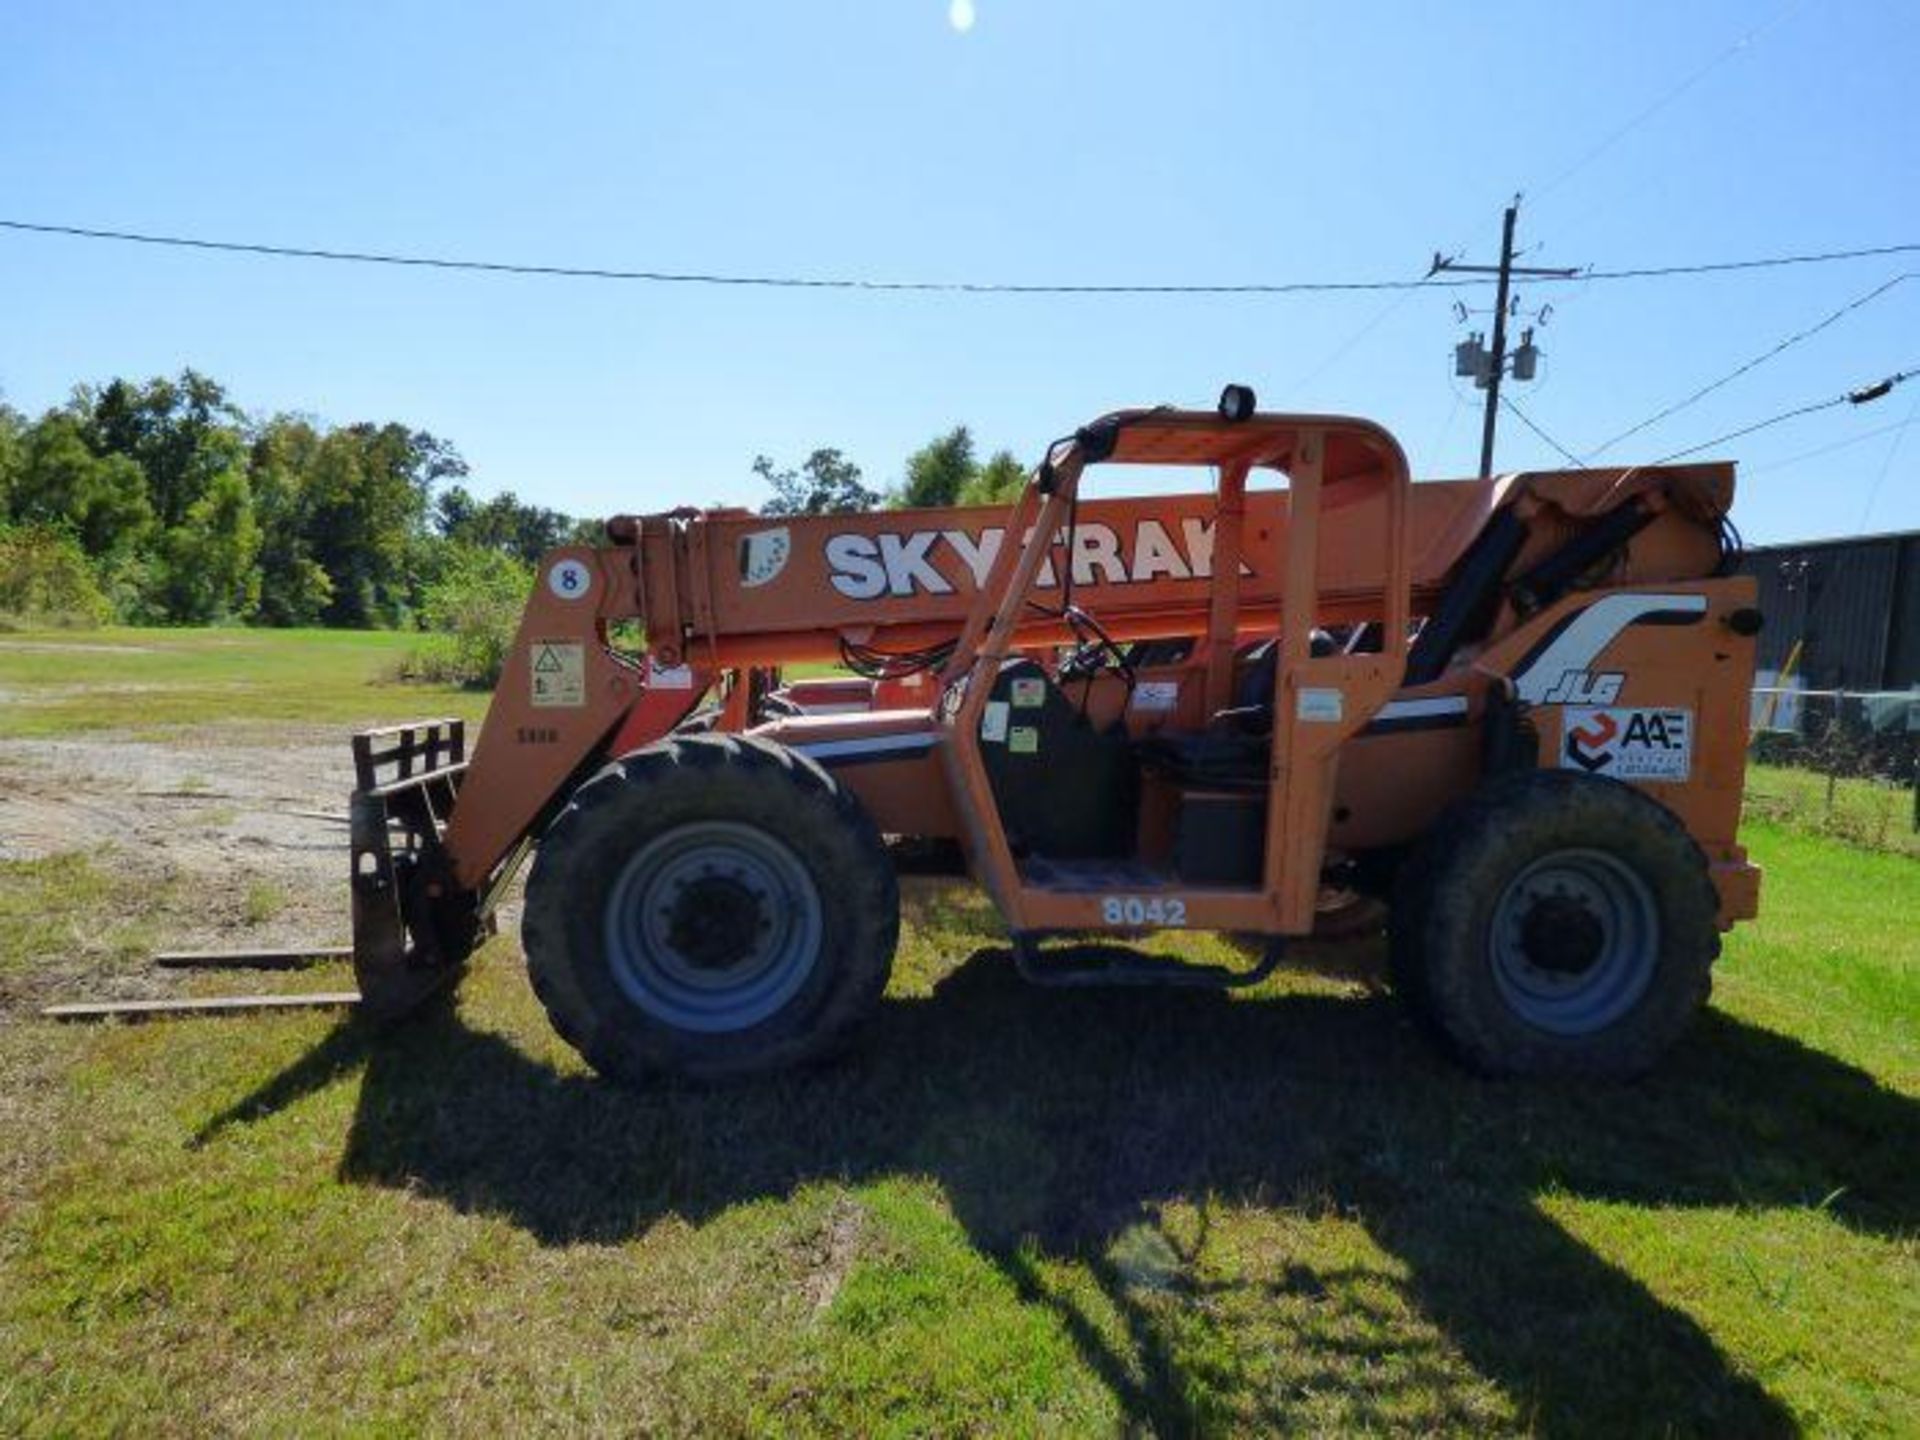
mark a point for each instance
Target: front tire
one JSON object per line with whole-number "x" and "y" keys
{"x": 1556, "y": 924}
{"x": 709, "y": 906}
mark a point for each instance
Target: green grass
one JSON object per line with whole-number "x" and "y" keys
{"x": 154, "y": 681}
{"x": 1010, "y": 1211}
{"x": 68, "y": 912}
{"x": 1868, "y": 813}
{"x": 262, "y": 902}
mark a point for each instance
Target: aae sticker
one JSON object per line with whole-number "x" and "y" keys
{"x": 1627, "y": 744}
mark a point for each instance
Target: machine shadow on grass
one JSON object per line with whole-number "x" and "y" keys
{"x": 1056, "y": 1121}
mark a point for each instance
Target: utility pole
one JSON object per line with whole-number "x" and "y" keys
{"x": 1488, "y": 369}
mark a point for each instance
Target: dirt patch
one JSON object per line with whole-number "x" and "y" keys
{"x": 224, "y": 844}
{"x": 85, "y": 794}
{"x": 74, "y": 647}
{"x": 835, "y": 1248}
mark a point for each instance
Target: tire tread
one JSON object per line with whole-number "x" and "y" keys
{"x": 613, "y": 1035}
{"x": 1436, "y": 952}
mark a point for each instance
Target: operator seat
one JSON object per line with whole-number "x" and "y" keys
{"x": 1231, "y": 753}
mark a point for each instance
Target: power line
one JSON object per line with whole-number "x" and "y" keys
{"x": 1446, "y": 428}
{"x": 1814, "y": 454}
{"x": 1745, "y": 42}
{"x": 952, "y": 287}
{"x": 1648, "y": 175}
{"x": 1772, "y": 262}
{"x": 1346, "y": 347}
{"x": 1866, "y": 394}
{"x": 1527, "y": 421}
{"x": 1471, "y": 355}
{"x": 678, "y": 277}
{"x": 1489, "y": 368}
{"x": 1886, "y": 465}
{"x": 1755, "y": 363}
{"x": 1749, "y": 429}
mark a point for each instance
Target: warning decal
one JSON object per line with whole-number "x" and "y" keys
{"x": 559, "y": 674}
{"x": 1319, "y": 706}
{"x": 1627, "y": 744}
{"x": 1156, "y": 695}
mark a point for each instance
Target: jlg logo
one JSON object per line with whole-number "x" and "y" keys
{"x": 1629, "y": 744}
{"x": 868, "y": 567}
{"x": 1581, "y": 687}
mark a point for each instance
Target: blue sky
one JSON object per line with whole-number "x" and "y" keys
{"x": 1088, "y": 142}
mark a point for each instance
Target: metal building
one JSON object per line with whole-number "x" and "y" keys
{"x": 1841, "y": 614}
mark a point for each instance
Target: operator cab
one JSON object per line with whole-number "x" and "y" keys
{"x": 1144, "y": 770}
{"x": 1081, "y": 752}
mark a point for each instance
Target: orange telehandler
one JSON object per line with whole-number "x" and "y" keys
{"x": 1515, "y": 709}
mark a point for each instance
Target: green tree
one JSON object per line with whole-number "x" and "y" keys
{"x": 998, "y": 482}
{"x": 13, "y": 429}
{"x": 45, "y": 577}
{"x": 938, "y": 470}
{"x": 827, "y": 483}
{"x": 57, "y": 480}
{"x": 502, "y": 523}
{"x": 473, "y": 608}
{"x": 188, "y": 512}
{"x": 169, "y": 551}
{"x": 209, "y": 556}
{"x": 295, "y": 588}
{"x": 367, "y": 493}
{"x": 181, "y": 432}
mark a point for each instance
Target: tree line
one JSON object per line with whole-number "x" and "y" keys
{"x": 944, "y": 471}
{"x": 162, "y": 502}
{"x": 185, "y": 510}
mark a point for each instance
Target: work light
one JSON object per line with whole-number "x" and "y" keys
{"x": 1237, "y": 403}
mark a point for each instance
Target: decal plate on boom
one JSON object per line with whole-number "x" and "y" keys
{"x": 559, "y": 673}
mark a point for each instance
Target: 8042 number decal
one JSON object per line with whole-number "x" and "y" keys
{"x": 1142, "y": 910}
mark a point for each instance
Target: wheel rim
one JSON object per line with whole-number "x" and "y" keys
{"x": 713, "y": 926}
{"x": 1574, "y": 941}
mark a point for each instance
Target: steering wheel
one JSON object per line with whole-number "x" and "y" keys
{"x": 1094, "y": 651}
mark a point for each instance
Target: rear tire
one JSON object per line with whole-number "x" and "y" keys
{"x": 709, "y": 906}
{"x": 1556, "y": 924}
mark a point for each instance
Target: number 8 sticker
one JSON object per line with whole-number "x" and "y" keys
{"x": 570, "y": 579}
